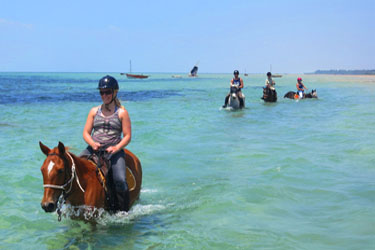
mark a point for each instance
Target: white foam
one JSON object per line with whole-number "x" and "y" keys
{"x": 103, "y": 217}
{"x": 88, "y": 213}
{"x": 134, "y": 213}
{"x": 149, "y": 191}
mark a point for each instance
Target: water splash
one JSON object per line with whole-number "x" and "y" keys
{"x": 103, "y": 217}
{"x": 149, "y": 191}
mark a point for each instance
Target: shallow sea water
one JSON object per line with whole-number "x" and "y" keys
{"x": 287, "y": 175}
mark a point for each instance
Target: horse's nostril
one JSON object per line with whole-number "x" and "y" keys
{"x": 51, "y": 206}
{"x": 48, "y": 207}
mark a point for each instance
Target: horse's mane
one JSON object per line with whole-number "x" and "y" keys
{"x": 82, "y": 161}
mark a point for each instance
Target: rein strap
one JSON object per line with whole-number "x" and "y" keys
{"x": 74, "y": 174}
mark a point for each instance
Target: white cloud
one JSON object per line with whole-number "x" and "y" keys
{"x": 114, "y": 28}
{"x": 15, "y": 24}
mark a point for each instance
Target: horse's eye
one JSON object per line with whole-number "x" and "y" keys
{"x": 60, "y": 171}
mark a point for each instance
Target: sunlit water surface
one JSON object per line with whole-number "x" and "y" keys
{"x": 288, "y": 175}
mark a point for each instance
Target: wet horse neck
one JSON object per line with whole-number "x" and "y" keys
{"x": 86, "y": 179}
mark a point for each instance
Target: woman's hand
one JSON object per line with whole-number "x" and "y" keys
{"x": 95, "y": 146}
{"x": 112, "y": 149}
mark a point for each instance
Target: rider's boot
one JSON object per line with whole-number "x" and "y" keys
{"x": 123, "y": 200}
{"x": 226, "y": 101}
{"x": 242, "y": 105}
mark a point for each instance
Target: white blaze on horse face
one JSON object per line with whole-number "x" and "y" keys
{"x": 50, "y": 166}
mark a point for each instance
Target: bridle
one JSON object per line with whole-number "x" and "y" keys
{"x": 70, "y": 181}
{"x": 65, "y": 192}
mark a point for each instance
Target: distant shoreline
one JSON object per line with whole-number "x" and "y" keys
{"x": 345, "y": 72}
{"x": 348, "y": 75}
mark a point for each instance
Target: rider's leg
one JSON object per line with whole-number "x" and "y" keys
{"x": 226, "y": 100}
{"x": 265, "y": 91}
{"x": 119, "y": 180}
{"x": 242, "y": 104}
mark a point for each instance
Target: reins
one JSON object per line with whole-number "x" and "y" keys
{"x": 74, "y": 174}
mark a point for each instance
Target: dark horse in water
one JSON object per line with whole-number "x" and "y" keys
{"x": 78, "y": 180}
{"x": 294, "y": 95}
{"x": 269, "y": 95}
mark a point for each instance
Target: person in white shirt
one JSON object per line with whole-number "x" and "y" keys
{"x": 270, "y": 83}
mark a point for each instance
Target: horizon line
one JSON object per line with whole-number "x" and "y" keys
{"x": 149, "y": 72}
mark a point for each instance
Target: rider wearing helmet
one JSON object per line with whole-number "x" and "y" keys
{"x": 104, "y": 125}
{"x": 235, "y": 82}
{"x": 300, "y": 88}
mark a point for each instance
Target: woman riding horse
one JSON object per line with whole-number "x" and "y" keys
{"x": 300, "y": 88}
{"x": 238, "y": 83}
{"x": 103, "y": 129}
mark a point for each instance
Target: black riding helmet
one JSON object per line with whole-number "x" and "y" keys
{"x": 236, "y": 72}
{"x": 269, "y": 74}
{"x": 108, "y": 82}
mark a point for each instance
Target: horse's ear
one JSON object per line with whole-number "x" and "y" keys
{"x": 61, "y": 148}
{"x": 44, "y": 148}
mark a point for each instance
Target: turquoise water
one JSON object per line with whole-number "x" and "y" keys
{"x": 289, "y": 175}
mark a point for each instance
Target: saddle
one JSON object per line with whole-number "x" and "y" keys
{"x": 269, "y": 95}
{"x": 103, "y": 166}
{"x": 101, "y": 159}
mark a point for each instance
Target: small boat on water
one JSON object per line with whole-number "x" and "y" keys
{"x": 133, "y": 76}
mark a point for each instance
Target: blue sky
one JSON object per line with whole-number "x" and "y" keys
{"x": 171, "y": 36}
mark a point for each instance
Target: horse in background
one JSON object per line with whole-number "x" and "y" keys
{"x": 269, "y": 95}
{"x": 312, "y": 94}
{"x": 294, "y": 95}
{"x": 77, "y": 180}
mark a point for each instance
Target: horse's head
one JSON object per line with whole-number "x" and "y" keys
{"x": 314, "y": 93}
{"x": 233, "y": 92}
{"x": 55, "y": 175}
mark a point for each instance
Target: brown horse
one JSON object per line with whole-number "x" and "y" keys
{"x": 294, "y": 95}
{"x": 76, "y": 179}
{"x": 269, "y": 95}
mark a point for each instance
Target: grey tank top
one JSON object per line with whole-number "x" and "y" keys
{"x": 107, "y": 129}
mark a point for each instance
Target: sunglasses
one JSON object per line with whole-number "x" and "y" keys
{"x": 107, "y": 92}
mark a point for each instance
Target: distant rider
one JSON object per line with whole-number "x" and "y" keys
{"x": 235, "y": 82}
{"x": 300, "y": 88}
{"x": 270, "y": 83}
